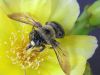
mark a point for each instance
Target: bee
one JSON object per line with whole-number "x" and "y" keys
{"x": 40, "y": 36}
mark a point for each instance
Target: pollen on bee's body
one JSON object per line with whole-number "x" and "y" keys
{"x": 18, "y": 54}
{"x": 32, "y": 42}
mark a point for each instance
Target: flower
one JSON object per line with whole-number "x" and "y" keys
{"x": 14, "y": 38}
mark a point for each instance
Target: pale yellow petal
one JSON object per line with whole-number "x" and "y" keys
{"x": 7, "y": 27}
{"x": 65, "y": 12}
{"x": 39, "y": 9}
{"x": 79, "y": 48}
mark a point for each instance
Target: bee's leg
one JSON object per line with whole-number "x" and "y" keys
{"x": 54, "y": 43}
{"x": 29, "y": 46}
{"x": 42, "y": 48}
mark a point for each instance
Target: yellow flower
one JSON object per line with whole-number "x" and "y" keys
{"x": 14, "y": 39}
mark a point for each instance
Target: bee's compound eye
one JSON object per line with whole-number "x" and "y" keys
{"x": 32, "y": 34}
{"x": 58, "y": 29}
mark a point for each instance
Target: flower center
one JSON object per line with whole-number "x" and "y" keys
{"x": 19, "y": 55}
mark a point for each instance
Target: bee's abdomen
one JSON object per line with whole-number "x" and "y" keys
{"x": 36, "y": 37}
{"x": 59, "y": 31}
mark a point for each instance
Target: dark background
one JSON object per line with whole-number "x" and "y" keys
{"x": 95, "y": 60}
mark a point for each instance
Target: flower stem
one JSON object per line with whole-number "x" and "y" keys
{"x": 88, "y": 70}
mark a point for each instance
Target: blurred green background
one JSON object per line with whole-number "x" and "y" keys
{"x": 95, "y": 60}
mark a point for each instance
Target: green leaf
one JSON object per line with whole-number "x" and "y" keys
{"x": 88, "y": 20}
{"x": 94, "y": 12}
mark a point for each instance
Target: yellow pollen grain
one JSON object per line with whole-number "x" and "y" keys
{"x": 18, "y": 55}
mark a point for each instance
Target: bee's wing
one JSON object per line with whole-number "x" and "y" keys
{"x": 63, "y": 59}
{"x": 24, "y": 18}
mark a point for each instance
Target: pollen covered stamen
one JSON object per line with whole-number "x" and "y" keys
{"x": 19, "y": 55}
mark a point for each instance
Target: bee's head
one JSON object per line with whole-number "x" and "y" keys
{"x": 59, "y": 31}
{"x": 36, "y": 37}
{"x": 32, "y": 39}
